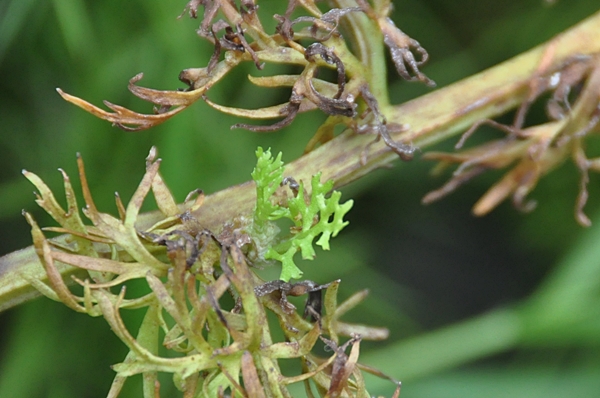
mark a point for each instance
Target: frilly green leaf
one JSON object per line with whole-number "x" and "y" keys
{"x": 313, "y": 215}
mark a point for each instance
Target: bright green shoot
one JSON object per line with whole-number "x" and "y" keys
{"x": 313, "y": 214}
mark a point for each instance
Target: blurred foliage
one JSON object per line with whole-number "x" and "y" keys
{"x": 437, "y": 275}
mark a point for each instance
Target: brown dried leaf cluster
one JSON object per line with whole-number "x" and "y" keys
{"x": 401, "y": 46}
{"x": 235, "y": 30}
{"x": 573, "y": 111}
{"x": 189, "y": 270}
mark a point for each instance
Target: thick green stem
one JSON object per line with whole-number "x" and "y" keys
{"x": 432, "y": 118}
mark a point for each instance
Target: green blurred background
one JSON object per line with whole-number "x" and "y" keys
{"x": 506, "y": 305}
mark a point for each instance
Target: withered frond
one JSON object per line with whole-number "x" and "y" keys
{"x": 327, "y": 23}
{"x": 133, "y": 121}
{"x": 401, "y": 45}
{"x": 379, "y": 126}
{"x": 401, "y": 48}
{"x": 235, "y": 31}
{"x": 535, "y": 150}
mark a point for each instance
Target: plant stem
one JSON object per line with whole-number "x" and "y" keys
{"x": 432, "y": 118}
{"x": 448, "y": 347}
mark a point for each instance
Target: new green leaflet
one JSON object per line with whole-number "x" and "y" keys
{"x": 313, "y": 214}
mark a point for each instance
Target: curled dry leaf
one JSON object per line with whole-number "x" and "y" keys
{"x": 343, "y": 365}
{"x": 327, "y": 23}
{"x": 401, "y": 45}
{"x": 380, "y": 127}
{"x": 133, "y": 121}
{"x": 330, "y": 57}
{"x": 401, "y": 48}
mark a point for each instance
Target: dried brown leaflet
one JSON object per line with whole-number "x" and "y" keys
{"x": 327, "y": 22}
{"x": 284, "y": 289}
{"x": 133, "y": 121}
{"x": 343, "y": 365}
{"x": 401, "y": 46}
{"x": 379, "y": 126}
{"x": 573, "y": 111}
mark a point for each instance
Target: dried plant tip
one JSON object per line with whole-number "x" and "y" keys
{"x": 290, "y": 111}
{"x": 583, "y": 164}
{"x": 192, "y": 7}
{"x": 455, "y": 182}
{"x": 214, "y": 59}
{"x": 332, "y": 19}
{"x": 336, "y": 106}
{"x": 284, "y": 27}
{"x": 343, "y": 365}
{"x": 401, "y": 49}
{"x": 251, "y": 380}
{"x": 250, "y": 50}
{"x": 329, "y": 56}
{"x": 405, "y": 151}
{"x": 232, "y": 40}
{"x": 332, "y": 106}
{"x": 328, "y": 22}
